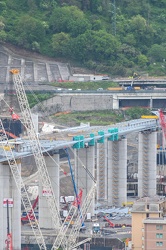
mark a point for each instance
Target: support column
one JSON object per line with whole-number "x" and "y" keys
{"x": 151, "y": 103}
{"x": 16, "y": 213}
{"x": 8, "y": 189}
{"x": 115, "y": 102}
{"x": 45, "y": 219}
{"x": 147, "y": 163}
{"x": 101, "y": 165}
{"x": 117, "y": 172}
{"x": 86, "y": 157}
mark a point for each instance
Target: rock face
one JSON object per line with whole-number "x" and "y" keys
{"x": 34, "y": 69}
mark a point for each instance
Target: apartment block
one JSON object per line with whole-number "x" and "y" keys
{"x": 149, "y": 223}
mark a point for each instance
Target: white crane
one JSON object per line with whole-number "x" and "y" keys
{"x": 43, "y": 173}
{"x": 78, "y": 222}
{"x": 74, "y": 232}
{"x": 21, "y": 187}
{"x": 36, "y": 148}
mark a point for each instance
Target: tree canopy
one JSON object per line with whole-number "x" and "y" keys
{"x": 116, "y": 37}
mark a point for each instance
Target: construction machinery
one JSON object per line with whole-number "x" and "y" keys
{"x": 123, "y": 88}
{"x": 61, "y": 239}
{"x": 25, "y": 218}
{"x": 112, "y": 225}
{"x": 96, "y": 228}
{"x": 13, "y": 114}
{"x": 76, "y": 215}
{"x": 36, "y": 148}
{"x": 22, "y": 190}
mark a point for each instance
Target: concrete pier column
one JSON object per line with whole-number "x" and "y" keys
{"x": 16, "y": 212}
{"x": 147, "y": 163}
{"x": 115, "y": 102}
{"x": 101, "y": 165}
{"x": 86, "y": 157}
{"x": 117, "y": 172}
{"x": 45, "y": 219}
{"x": 8, "y": 189}
{"x": 151, "y": 103}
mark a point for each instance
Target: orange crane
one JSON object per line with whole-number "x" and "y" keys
{"x": 109, "y": 222}
{"x": 13, "y": 114}
{"x": 9, "y": 134}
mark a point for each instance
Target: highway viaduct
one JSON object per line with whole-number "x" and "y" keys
{"x": 102, "y": 100}
{"x": 105, "y": 144}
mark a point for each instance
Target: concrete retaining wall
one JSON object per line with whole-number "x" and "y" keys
{"x": 69, "y": 102}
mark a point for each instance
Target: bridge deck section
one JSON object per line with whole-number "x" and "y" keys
{"x": 124, "y": 128}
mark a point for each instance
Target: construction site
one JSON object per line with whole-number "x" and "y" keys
{"x": 74, "y": 192}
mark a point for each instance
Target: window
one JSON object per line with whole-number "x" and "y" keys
{"x": 159, "y": 236}
{"x": 159, "y": 243}
{"x": 159, "y": 227}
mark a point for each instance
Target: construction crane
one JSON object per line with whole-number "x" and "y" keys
{"x": 13, "y": 114}
{"x": 74, "y": 232}
{"x": 36, "y": 148}
{"x": 66, "y": 224}
{"x": 30, "y": 213}
{"x": 9, "y": 134}
{"x": 42, "y": 169}
{"x": 22, "y": 189}
{"x": 78, "y": 222}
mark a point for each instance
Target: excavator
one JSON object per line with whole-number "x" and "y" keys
{"x": 112, "y": 225}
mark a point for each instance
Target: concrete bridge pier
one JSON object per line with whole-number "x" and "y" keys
{"x": 101, "y": 169}
{"x": 147, "y": 153}
{"x": 8, "y": 189}
{"x": 117, "y": 172}
{"x": 115, "y": 102}
{"x": 86, "y": 157}
{"x": 45, "y": 220}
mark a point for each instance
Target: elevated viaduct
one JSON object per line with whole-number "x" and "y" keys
{"x": 110, "y": 150}
{"x": 142, "y": 81}
{"x": 103, "y": 100}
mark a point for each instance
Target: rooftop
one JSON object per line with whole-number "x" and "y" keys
{"x": 155, "y": 220}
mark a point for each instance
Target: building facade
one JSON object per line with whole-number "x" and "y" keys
{"x": 149, "y": 223}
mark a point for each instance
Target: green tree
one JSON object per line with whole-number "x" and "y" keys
{"x": 157, "y": 52}
{"x": 142, "y": 60}
{"x": 142, "y": 32}
{"x": 28, "y": 31}
{"x": 69, "y": 20}
{"x": 96, "y": 45}
{"x": 3, "y": 36}
{"x": 59, "y": 43}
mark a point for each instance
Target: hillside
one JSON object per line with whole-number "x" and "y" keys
{"x": 114, "y": 37}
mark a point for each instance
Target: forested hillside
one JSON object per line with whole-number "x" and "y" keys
{"x": 117, "y": 37}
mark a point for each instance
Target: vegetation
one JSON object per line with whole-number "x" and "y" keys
{"x": 101, "y": 118}
{"x": 85, "y": 85}
{"x": 118, "y": 40}
{"x": 35, "y": 99}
